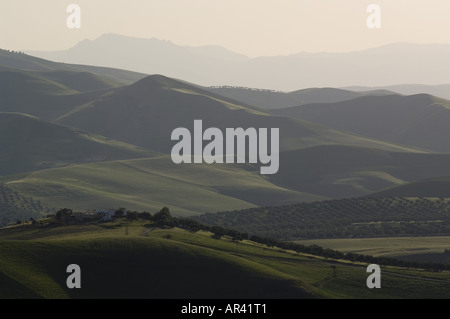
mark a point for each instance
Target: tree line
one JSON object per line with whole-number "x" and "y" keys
{"x": 244, "y": 88}
{"x": 166, "y": 220}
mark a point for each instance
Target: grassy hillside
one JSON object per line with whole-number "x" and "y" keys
{"x": 48, "y": 95}
{"x": 31, "y": 83}
{"x": 80, "y": 81}
{"x": 54, "y": 82}
{"x": 345, "y": 218}
{"x": 116, "y": 266}
{"x": 174, "y": 263}
{"x": 143, "y": 184}
{"x": 432, "y": 187}
{"x": 439, "y": 90}
{"x": 417, "y": 120}
{"x": 146, "y": 113}
{"x": 338, "y": 171}
{"x": 27, "y": 62}
{"x": 28, "y": 143}
{"x": 152, "y": 183}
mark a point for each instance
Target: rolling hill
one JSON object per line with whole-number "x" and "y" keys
{"x": 80, "y": 81}
{"x": 305, "y": 175}
{"x": 418, "y": 120}
{"x": 429, "y": 187}
{"x": 439, "y": 90}
{"x": 100, "y": 104}
{"x": 94, "y": 112}
{"x": 184, "y": 266}
{"x": 148, "y": 184}
{"x": 146, "y": 112}
{"x": 25, "y": 62}
{"x": 28, "y": 143}
{"x": 49, "y": 94}
{"x": 338, "y": 171}
{"x": 87, "y": 137}
{"x": 179, "y": 264}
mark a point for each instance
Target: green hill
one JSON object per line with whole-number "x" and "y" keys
{"x": 31, "y": 83}
{"x": 28, "y": 143}
{"x": 49, "y": 95}
{"x": 118, "y": 266}
{"x": 417, "y": 120}
{"x": 177, "y": 264}
{"x": 80, "y": 81}
{"x": 305, "y": 175}
{"x": 147, "y": 184}
{"x": 146, "y": 112}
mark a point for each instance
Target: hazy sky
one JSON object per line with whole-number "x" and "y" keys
{"x": 250, "y": 27}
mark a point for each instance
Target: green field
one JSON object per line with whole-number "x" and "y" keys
{"x": 174, "y": 263}
{"x": 408, "y": 248}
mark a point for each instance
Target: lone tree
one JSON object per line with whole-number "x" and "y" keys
{"x": 163, "y": 218}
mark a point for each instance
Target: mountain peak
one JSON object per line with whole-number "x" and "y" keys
{"x": 155, "y": 80}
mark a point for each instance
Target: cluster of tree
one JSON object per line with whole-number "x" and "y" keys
{"x": 344, "y": 218}
{"x": 163, "y": 218}
{"x": 12, "y": 51}
{"x": 244, "y": 88}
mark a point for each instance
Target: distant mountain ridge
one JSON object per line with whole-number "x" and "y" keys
{"x": 391, "y": 64}
{"x": 442, "y": 90}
